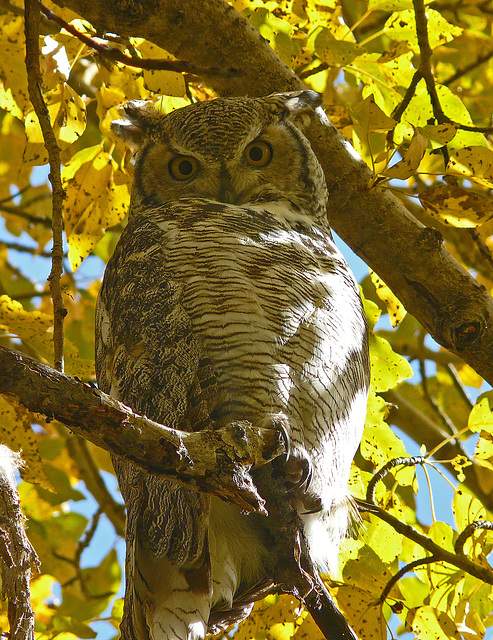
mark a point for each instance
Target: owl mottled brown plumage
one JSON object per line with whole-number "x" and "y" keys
{"x": 226, "y": 299}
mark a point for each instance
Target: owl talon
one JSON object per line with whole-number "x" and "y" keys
{"x": 298, "y": 472}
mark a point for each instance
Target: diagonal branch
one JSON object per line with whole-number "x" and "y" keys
{"x": 449, "y": 303}
{"x": 211, "y": 461}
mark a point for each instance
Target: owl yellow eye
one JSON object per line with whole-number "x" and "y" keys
{"x": 183, "y": 167}
{"x": 258, "y": 153}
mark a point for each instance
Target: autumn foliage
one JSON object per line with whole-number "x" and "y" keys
{"x": 410, "y": 86}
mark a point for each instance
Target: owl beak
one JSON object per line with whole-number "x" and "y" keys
{"x": 226, "y": 191}
{"x": 227, "y": 196}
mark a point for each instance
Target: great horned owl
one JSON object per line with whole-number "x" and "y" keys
{"x": 226, "y": 299}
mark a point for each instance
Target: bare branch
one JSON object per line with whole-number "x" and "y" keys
{"x": 34, "y": 78}
{"x": 211, "y": 461}
{"x": 116, "y": 55}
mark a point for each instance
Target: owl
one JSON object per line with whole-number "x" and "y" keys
{"x": 227, "y": 300}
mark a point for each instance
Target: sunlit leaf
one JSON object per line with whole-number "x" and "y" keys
{"x": 332, "y": 51}
{"x": 97, "y": 198}
{"x": 36, "y": 329}
{"x": 395, "y": 308}
{"x": 433, "y": 625}
{"x": 16, "y": 432}
{"x": 387, "y": 367}
{"x": 402, "y": 26}
{"x": 474, "y": 163}
{"x": 411, "y": 158}
{"x": 67, "y": 115}
{"x": 162, "y": 82}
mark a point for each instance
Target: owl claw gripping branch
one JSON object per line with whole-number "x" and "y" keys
{"x": 226, "y": 299}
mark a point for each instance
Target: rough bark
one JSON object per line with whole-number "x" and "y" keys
{"x": 211, "y": 461}
{"x": 451, "y": 305}
{"x": 16, "y": 553}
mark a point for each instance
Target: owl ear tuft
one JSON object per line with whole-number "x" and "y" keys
{"x": 301, "y": 101}
{"x": 140, "y": 119}
{"x": 299, "y": 106}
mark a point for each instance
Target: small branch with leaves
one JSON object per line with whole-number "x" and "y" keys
{"x": 438, "y": 554}
{"x": 116, "y": 55}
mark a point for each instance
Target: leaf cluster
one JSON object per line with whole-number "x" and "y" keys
{"x": 410, "y": 87}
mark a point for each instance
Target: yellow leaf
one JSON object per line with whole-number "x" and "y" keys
{"x": 441, "y": 133}
{"x": 387, "y": 367}
{"x": 474, "y": 163}
{"x": 12, "y": 46}
{"x": 481, "y": 417}
{"x": 411, "y": 158}
{"x": 166, "y": 83}
{"x": 394, "y": 306}
{"x": 332, "y": 51}
{"x": 16, "y": 432}
{"x": 362, "y": 610}
{"x": 402, "y": 26}
{"x": 94, "y": 200}
{"x": 36, "y": 329}
{"x": 456, "y": 206}
{"x": 371, "y": 117}
{"x": 434, "y": 625}
{"x": 67, "y": 115}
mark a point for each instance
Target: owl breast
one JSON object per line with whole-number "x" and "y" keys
{"x": 272, "y": 301}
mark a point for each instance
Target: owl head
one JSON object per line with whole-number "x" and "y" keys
{"x": 230, "y": 150}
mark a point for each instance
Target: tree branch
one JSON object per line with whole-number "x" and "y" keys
{"x": 449, "y": 303}
{"x": 440, "y": 554}
{"x": 34, "y": 83}
{"x": 16, "y": 553}
{"x": 425, "y": 431}
{"x": 211, "y": 461}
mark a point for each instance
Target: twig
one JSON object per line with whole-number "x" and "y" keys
{"x": 446, "y": 421}
{"x": 470, "y": 67}
{"x": 116, "y": 55}
{"x": 441, "y": 555}
{"x": 15, "y": 246}
{"x": 16, "y": 211}
{"x": 381, "y": 473}
{"x": 409, "y": 567}
{"x": 399, "y": 110}
{"x": 452, "y": 371}
{"x": 468, "y": 531}
{"x": 35, "y": 94}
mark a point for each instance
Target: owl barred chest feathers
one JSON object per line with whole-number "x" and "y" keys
{"x": 227, "y": 300}
{"x": 266, "y": 340}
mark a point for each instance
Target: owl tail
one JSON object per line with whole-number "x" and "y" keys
{"x": 168, "y": 602}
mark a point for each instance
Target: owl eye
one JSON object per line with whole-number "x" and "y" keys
{"x": 258, "y": 153}
{"x": 183, "y": 167}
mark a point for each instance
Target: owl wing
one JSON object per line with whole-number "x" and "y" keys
{"x": 148, "y": 358}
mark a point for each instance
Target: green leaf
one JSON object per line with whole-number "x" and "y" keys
{"x": 336, "y": 53}
{"x": 402, "y": 26}
{"x": 387, "y": 367}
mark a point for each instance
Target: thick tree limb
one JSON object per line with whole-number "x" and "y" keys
{"x": 411, "y": 259}
{"x": 211, "y": 461}
{"x": 16, "y": 553}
